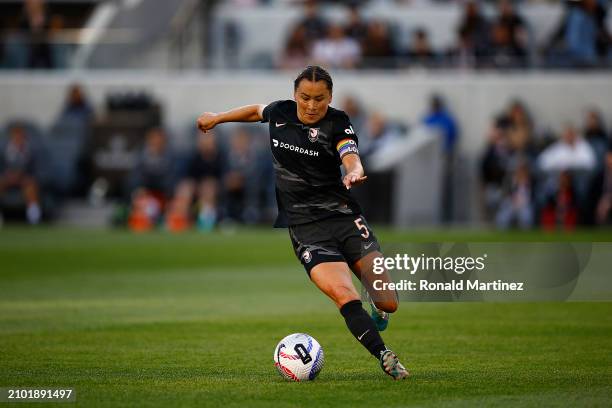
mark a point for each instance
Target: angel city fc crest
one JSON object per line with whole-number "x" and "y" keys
{"x": 313, "y": 134}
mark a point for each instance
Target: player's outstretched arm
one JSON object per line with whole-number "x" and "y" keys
{"x": 353, "y": 169}
{"x": 249, "y": 113}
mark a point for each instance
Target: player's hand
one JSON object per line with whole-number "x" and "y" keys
{"x": 207, "y": 121}
{"x": 353, "y": 179}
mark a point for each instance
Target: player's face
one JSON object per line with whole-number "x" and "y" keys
{"x": 312, "y": 100}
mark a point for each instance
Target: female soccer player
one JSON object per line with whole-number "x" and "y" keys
{"x": 309, "y": 140}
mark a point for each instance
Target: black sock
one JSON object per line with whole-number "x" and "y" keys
{"x": 363, "y": 328}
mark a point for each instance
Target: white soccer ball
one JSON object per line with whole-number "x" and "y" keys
{"x": 298, "y": 357}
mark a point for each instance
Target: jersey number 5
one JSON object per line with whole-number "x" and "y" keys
{"x": 362, "y": 227}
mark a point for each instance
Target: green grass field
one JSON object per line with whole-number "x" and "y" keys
{"x": 192, "y": 320}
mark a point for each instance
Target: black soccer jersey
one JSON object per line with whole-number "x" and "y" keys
{"x": 307, "y": 161}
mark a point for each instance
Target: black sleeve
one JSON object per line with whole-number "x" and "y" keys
{"x": 344, "y": 139}
{"x": 268, "y": 111}
{"x": 343, "y": 129}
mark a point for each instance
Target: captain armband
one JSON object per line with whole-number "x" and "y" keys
{"x": 346, "y": 146}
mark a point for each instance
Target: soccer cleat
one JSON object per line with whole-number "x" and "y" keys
{"x": 392, "y": 366}
{"x": 380, "y": 317}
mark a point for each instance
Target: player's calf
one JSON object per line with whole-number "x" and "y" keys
{"x": 362, "y": 327}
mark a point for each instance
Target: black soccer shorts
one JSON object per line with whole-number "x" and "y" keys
{"x": 345, "y": 238}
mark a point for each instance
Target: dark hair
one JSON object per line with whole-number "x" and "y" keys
{"x": 503, "y": 122}
{"x": 314, "y": 73}
{"x": 437, "y": 102}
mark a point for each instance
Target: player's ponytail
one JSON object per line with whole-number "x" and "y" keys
{"x": 314, "y": 73}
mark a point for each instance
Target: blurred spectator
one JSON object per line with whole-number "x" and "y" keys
{"x": 504, "y": 52}
{"x": 315, "y": 26}
{"x": 597, "y": 137}
{"x": 516, "y": 207}
{"x": 296, "y": 52}
{"x": 18, "y": 171}
{"x": 493, "y": 165}
{"x": 421, "y": 53}
{"x": 594, "y": 128}
{"x": 336, "y": 50}
{"x": 262, "y": 202}
{"x": 572, "y": 152}
{"x": 475, "y": 28}
{"x": 581, "y": 37}
{"x": 576, "y": 160}
{"x": 514, "y": 24}
{"x": 463, "y": 53}
{"x": 377, "y": 46}
{"x": 238, "y": 181}
{"x": 604, "y": 206}
{"x": 68, "y": 149}
{"x": 355, "y": 111}
{"x": 77, "y": 106}
{"x": 152, "y": 181}
{"x": 443, "y": 122}
{"x": 356, "y": 28}
{"x": 202, "y": 180}
{"x": 561, "y": 208}
{"x": 232, "y": 43}
{"x": 581, "y": 33}
{"x": 604, "y": 38}
{"x": 60, "y": 48}
{"x": 155, "y": 168}
{"x": 35, "y": 23}
{"x": 380, "y": 132}
{"x": 520, "y": 131}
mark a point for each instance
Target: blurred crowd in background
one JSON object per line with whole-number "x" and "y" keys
{"x": 530, "y": 177}
{"x": 122, "y": 152}
{"x": 223, "y": 176}
{"x": 581, "y": 40}
{"x": 37, "y": 35}
{"x": 534, "y": 177}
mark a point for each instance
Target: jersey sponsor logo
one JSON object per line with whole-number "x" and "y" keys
{"x": 280, "y": 124}
{"x": 313, "y": 134}
{"x": 295, "y": 148}
{"x": 349, "y": 131}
